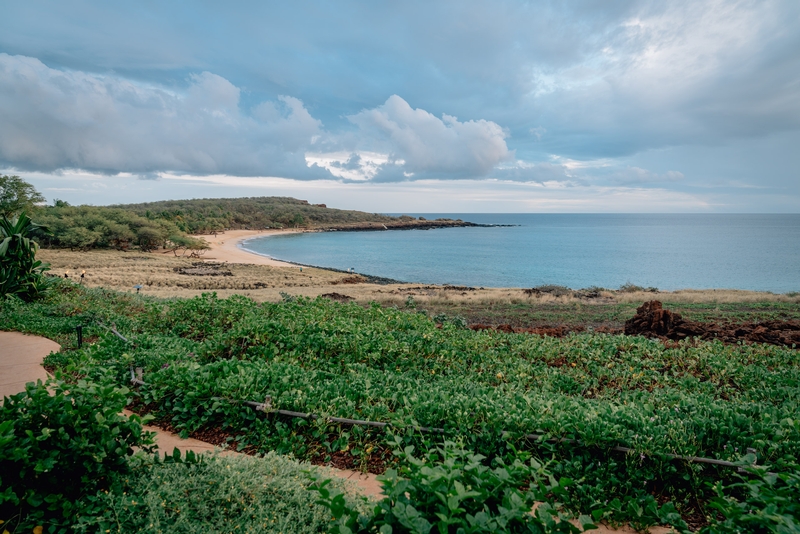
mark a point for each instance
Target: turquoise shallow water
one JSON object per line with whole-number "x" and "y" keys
{"x": 758, "y": 252}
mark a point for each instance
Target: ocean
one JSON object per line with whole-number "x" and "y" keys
{"x": 667, "y": 251}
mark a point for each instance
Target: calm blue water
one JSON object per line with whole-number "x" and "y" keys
{"x": 758, "y": 252}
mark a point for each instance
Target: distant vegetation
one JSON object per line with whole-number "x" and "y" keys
{"x": 87, "y": 227}
{"x": 169, "y": 224}
{"x": 17, "y": 196}
{"x": 255, "y": 213}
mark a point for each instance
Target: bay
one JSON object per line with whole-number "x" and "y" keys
{"x": 667, "y": 251}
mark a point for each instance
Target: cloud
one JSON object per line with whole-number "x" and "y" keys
{"x": 55, "y": 119}
{"x": 430, "y": 146}
{"x": 637, "y": 175}
{"x": 544, "y": 172}
{"x": 678, "y": 73}
{"x": 349, "y": 166}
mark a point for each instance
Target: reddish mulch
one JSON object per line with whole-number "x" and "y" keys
{"x": 377, "y": 462}
{"x": 350, "y": 280}
{"x": 552, "y": 331}
{"x": 652, "y": 320}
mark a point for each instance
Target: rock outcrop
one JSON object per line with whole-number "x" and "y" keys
{"x": 652, "y": 320}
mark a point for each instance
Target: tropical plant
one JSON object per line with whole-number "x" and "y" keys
{"x": 21, "y": 274}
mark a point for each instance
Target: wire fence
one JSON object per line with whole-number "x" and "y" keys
{"x": 266, "y": 407}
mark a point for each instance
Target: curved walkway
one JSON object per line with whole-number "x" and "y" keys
{"x": 21, "y": 358}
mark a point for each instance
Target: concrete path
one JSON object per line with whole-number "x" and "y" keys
{"x": 21, "y": 358}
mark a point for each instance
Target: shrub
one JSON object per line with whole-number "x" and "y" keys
{"x": 452, "y": 490}
{"x": 762, "y": 502}
{"x": 629, "y": 287}
{"x": 210, "y": 494}
{"x": 56, "y": 449}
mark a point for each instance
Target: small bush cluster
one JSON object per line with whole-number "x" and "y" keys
{"x": 57, "y": 449}
{"x": 450, "y": 489}
{"x": 201, "y": 494}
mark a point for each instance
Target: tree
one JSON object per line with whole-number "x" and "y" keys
{"x": 149, "y": 238}
{"x": 185, "y": 243}
{"x": 17, "y": 196}
{"x": 79, "y": 238}
{"x": 21, "y": 274}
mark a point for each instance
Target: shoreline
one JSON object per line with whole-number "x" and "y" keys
{"x": 227, "y": 247}
{"x": 230, "y": 246}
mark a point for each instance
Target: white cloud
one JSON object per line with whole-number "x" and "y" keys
{"x": 352, "y": 166}
{"x": 637, "y": 175}
{"x": 542, "y": 172}
{"x": 676, "y": 73}
{"x": 57, "y": 119}
{"x": 432, "y": 146}
{"x": 54, "y": 119}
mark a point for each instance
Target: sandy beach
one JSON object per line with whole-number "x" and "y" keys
{"x": 225, "y": 247}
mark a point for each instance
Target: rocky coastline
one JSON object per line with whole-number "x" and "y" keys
{"x": 404, "y": 224}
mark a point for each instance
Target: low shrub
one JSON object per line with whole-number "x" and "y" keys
{"x": 58, "y": 444}
{"x": 201, "y": 494}
{"x": 761, "y": 502}
{"x": 452, "y": 490}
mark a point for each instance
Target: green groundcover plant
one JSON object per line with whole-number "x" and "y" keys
{"x": 760, "y": 502}
{"x": 451, "y": 490}
{"x": 583, "y": 394}
{"x": 60, "y": 443}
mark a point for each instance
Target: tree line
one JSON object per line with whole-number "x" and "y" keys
{"x": 202, "y": 216}
{"x": 166, "y": 224}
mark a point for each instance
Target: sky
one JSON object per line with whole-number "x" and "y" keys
{"x": 418, "y": 107}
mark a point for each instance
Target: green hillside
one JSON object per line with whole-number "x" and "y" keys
{"x": 205, "y": 215}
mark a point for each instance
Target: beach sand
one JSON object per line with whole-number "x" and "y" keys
{"x": 162, "y": 274}
{"x": 225, "y": 247}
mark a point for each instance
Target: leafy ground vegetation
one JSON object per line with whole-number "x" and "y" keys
{"x": 67, "y": 464}
{"x": 564, "y": 403}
